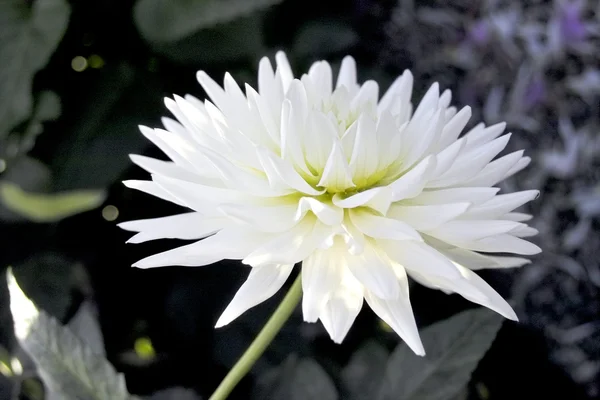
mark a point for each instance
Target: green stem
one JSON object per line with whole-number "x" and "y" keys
{"x": 259, "y": 345}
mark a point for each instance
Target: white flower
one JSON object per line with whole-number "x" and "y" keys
{"x": 363, "y": 191}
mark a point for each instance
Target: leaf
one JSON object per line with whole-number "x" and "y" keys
{"x": 102, "y": 132}
{"x": 46, "y": 277}
{"x": 52, "y": 207}
{"x": 29, "y": 35}
{"x": 237, "y": 39}
{"x": 174, "y": 393}
{"x": 163, "y": 21}
{"x": 363, "y": 375}
{"x": 324, "y": 37}
{"x": 454, "y": 348}
{"x": 68, "y": 367}
{"x": 85, "y": 325}
{"x": 296, "y": 380}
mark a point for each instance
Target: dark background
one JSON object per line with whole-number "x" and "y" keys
{"x": 94, "y": 70}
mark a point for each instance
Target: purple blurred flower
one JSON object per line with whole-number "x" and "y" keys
{"x": 479, "y": 33}
{"x": 571, "y": 24}
{"x": 535, "y": 92}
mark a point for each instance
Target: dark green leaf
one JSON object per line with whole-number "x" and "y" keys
{"x": 174, "y": 393}
{"x": 363, "y": 375}
{"x": 69, "y": 368}
{"x": 223, "y": 43}
{"x": 163, "y": 21}
{"x": 454, "y": 348}
{"x": 94, "y": 152}
{"x": 28, "y": 36}
{"x": 323, "y": 37}
{"x": 296, "y": 380}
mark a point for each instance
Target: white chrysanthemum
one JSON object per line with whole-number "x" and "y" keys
{"x": 363, "y": 191}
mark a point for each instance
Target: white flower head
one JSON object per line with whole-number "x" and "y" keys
{"x": 362, "y": 190}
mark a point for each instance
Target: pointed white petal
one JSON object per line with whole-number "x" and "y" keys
{"x": 355, "y": 240}
{"x": 424, "y": 218}
{"x": 495, "y": 171}
{"x": 318, "y": 140}
{"x": 429, "y": 101}
{"x": 473, "y": 288}
{"x": 378, "y": 198}
{"x": 375, "y": 273}
{"x": 230, "y": 243}
{"x": 273, "y": 219}
{"x": 347, "y": 74}
{"x": 387, "y": 134}
{"x": 517, "y": 216}
{"x": 289, "y": 247}
{"x": 284, "y": 69}
{"x": 154, "y": 189}
{"x": 504, "y": 243}
{"x": 398, "y": 94}
{"x": 167, "y": 168}
{"x": 419, "y": 257}
{"x": 412, "y": 183}
{"x": 174, "y": 146}
{"x": 399, "y": 315}
{"x": 461, "y": 232}
{"x": 366, "y": 97}
{"x": 446, "y": 158}
{"x": 470, "y": 163}
{"x": 342, "y": 308}
{"x": 321, "y": 274}
{"x": 417, "y": 149}
{"x": 325, "y": 212}
{"x": 321, "y": 76}
{"x": 379, "y": 227}
{"x": 196, "y": 196}
{"x": 336, "y": 175}
{"x": 473, "y": 195}
{"x": 476, "y": 261}
{"x": 280, "y": 172}
{"x": 262, "y": 283}
{"x": 478, "y": 137}
{"x": 365, "y": 155}
{"x": 183, "y": 226}
{"x": 501, "y": 204}
{"x": 454, "y": 127}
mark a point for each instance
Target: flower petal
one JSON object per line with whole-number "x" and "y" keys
{"x": 461, "y": 232}
{"x": 424, "y": 218}
{"x": 347, "y": 74}
{"x": 230, "y": 243}
{"x": 274, "y": 219}
{"x": 504, "y": 243}
{"x": 153, "y": 189}
{"x": 322, "y": 272}
{"x": 501, "y": 205}
{"x": 398, "y": 314}
{"x": 382, "y": 228}
{"x": 262, "y": 283}
{"x": 279, "y": 170}
{"x": 183, "y": 226}
{"x": 377, "y": 198}
{"x": 473, "y": 195}
{"x": 289, "y": 247}
{"x": 412, "y": 183}
{"x": 325, "y": 212}
{"x": 336, "y": 175}
{"x": 375, "y": 273}
{"x": 473, "y": 288}
{"x": 419, "y": 257}
{"x": 342, "y": 308}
